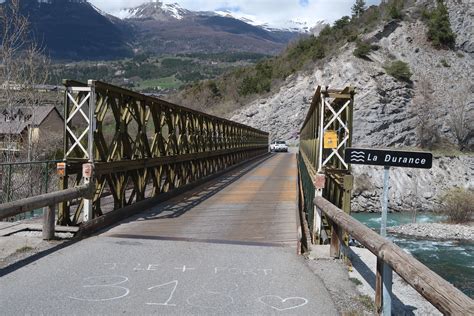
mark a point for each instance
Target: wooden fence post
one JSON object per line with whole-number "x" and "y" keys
{"x": 335, "y": 247}
{"x": 379, "y": 286}
{"x": 49, "y": 214}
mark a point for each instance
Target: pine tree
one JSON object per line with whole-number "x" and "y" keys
{"x": 358, "y": 8}
{"x": 439, "y": 27}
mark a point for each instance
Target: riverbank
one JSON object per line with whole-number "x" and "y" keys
{"x": 436, "y": 231}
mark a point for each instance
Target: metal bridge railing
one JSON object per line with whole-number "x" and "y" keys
{"x": 141, "y": 147}
{"x": 325, "y": 134}
{"x": 20, "y": 180}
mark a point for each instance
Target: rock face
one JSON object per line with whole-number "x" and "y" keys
{"x": 387, "y": 111}
{"x": 410, "y": 189}
{"x": 461, "y": 15}
{"x": 436, "y": 231}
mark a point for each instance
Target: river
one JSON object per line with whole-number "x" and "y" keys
{"x": 454, "y": 261}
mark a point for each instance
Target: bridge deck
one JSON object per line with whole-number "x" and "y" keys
{"x": 138, "y": 275}
{"x": 256, "y": 204}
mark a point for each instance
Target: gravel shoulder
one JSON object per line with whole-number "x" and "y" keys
{"x": 26, "y": 244}
{"x": 438, "y": 231}
{"x": 406, "y": 300}
{"x": 352, "y": 285}
{"x": 343, "y": 289}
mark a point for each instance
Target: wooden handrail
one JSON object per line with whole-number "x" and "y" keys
{"x": 439, "y": 292}
{"x": 49, "y": 200}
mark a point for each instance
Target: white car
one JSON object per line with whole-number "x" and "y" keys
{"x": 278, "y": 145}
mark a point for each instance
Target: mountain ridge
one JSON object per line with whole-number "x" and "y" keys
{"x": 164, "y": 12}
{"x": 77, "y": 30}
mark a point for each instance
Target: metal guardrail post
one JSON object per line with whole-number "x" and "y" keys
{"x": 87, "y": 173}
{"x": 385, "y": 273}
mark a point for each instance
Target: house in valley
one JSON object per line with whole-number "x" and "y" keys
{"x": 23, "y": 126}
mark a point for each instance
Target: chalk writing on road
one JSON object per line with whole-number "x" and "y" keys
{"x": 282, "y": 304}
{"x": 184, "y": 268}
{"x": 211, "y": 296}
{"x": 93, "y": 284}
{"x": 175, "y": 285}
{"x": 238, "y": 271}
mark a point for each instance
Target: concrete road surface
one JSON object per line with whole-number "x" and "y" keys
{"x": 114, "y": 276}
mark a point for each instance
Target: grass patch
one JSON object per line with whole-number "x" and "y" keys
{"x": 356, "y": 281}
{"x": 24, "y": 249}
{"x": 367, "y": 301}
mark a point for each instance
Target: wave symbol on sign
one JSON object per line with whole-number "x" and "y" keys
{"x": 358, "y": 156}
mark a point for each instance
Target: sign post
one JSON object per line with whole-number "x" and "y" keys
{"x": 387, "y": 159}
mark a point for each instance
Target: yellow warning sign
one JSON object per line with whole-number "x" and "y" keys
{"x": 330, "y": 139}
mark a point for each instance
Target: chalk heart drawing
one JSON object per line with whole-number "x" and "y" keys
{"x": 282, "y": 304}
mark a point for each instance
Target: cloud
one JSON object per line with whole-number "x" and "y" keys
{"x": 304, "y": 3}
{"x": 271, "y": 11}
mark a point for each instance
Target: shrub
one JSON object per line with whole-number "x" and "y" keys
{"x": 395, "y": 10}
{"x": 252, "y": 85}
{"x": 260, "y": 81}
{"x": 458, "y": 205}
{"x": 363, "y": 49}
{"x": 212, "y": 86}
{"x": 445, "y": 63}
{"x": 342, "y": 22}
{"x": 439, "y": 28}
{"x": 399, "y": 70}
{"x": 318, "y": 51}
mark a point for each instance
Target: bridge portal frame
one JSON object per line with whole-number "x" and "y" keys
{"x": 322, "y": 169}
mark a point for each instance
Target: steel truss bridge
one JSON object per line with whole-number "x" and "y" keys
{"x": 141, "y": 147}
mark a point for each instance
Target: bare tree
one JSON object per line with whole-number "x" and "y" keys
{"x": 461, "y": 116}
{"x": 423, "y": 109}
{"x": 23, "y": 67}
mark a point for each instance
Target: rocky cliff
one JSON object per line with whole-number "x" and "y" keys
{"x": 387, "y": 111}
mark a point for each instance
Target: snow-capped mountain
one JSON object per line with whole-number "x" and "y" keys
{"x": 156, "y": 10}
{"x": 77, "y": 30}
{"x": 287, "y": 26}
{"x": 163, "y": 28}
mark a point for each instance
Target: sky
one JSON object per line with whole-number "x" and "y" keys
{"x": 264, "y": 11}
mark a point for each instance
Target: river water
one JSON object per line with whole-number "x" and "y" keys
{"x": 454, "y": 261}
